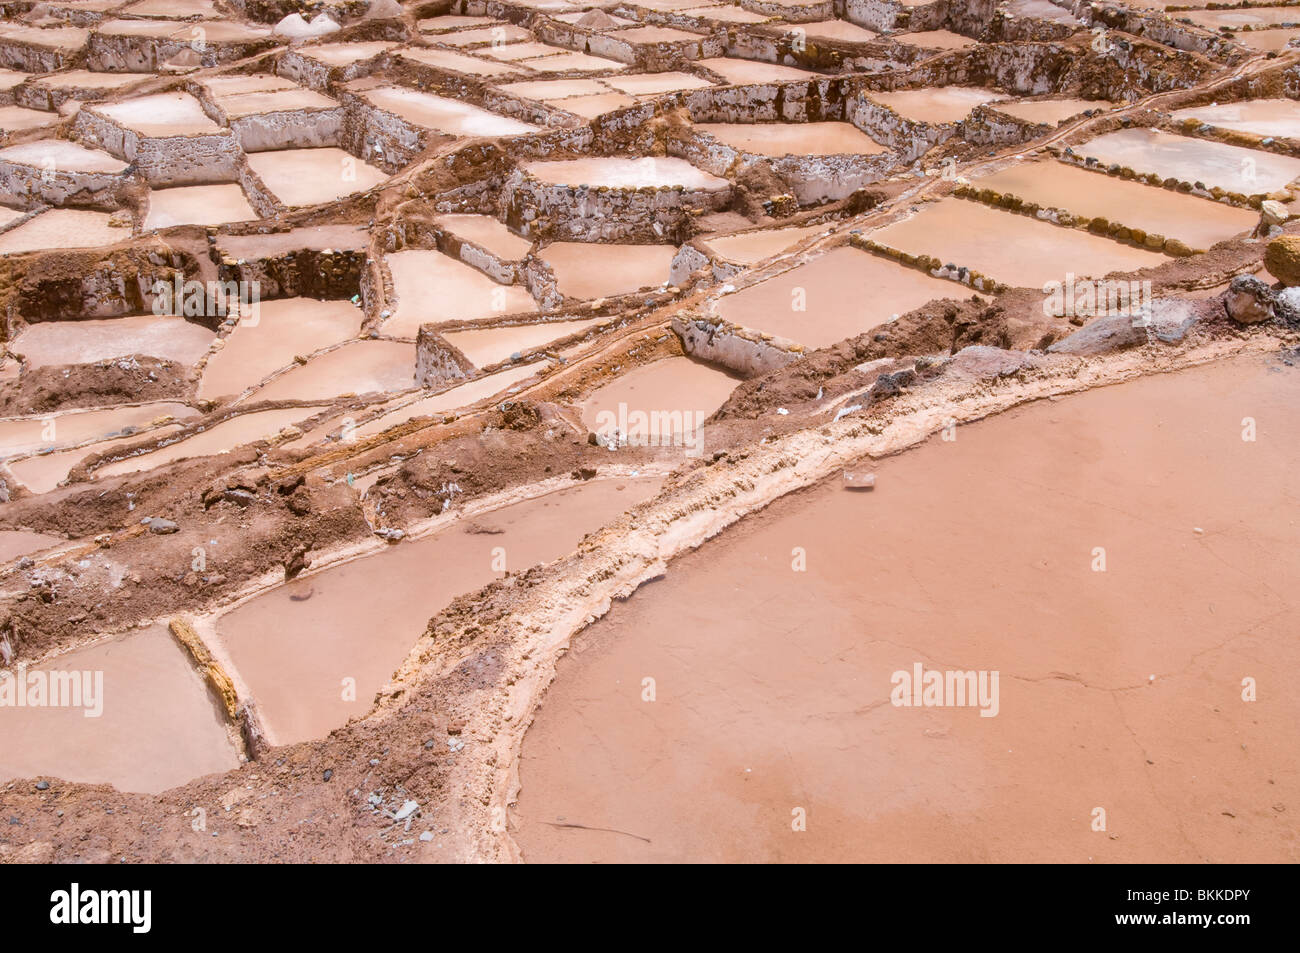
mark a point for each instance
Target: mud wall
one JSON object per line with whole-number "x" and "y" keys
{"x": 738, "y": 349}
{"x": 576, "y": 213}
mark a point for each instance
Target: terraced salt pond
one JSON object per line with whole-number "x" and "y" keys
{"x": 488, "y": 233}
{"x": 160, "y": 114}
{"x": 1119, "y": 688}
{"x": 458, "y": 62}
{"x": 258, "y": 102}
{"x": 1267, "y": 41}
{"x": 841, "y": 294}
{"x": 433, "y": 287}
{"x": 1264, "y": 117}
{"x": 1042, "y": 10}
{"x": 487, "y": 346}
{"x": 59, "y": 154}
{"x": 19, "y": 435}
{"x": 520, "y": 51}
{"x": 1255, "y": 16}
{"x": 589, "y": 107}
{"x": 18, "y": 119}
{"x": 749, "y": 248}
{"x": 939, "y": 104}
{"x": 295, "y": 645}
{"x": 451, "y": 116}
{"x": 197, "y": 205}
{"x": 284, "y": 329}
{"x": 463, "y": 395}
{"x": 62, "y": 228}
{"x": 616, "y": 173}
{"x": 158, "y": 726}
{"x": 347, "y": 53}
{"x": 218, "y": 438}
{"x": 45, "y": 471}
{"x": 742, "y": 72}
{"x": 299, "y": 177}
{"x": 358, "y": 367}
{"x": 838, "y": 30}
{"x": 671, "y": 386}
{"x": 87, "y": 341}
{"x": 1196, "y": 221}
{"x": 1052, "y": 111}
{"x": 506, "y": 33}
{"x": 1017, "y": 250}
{"x": 406, "y": 408}
{"x": 594, "y": 270}
{"x": 725, "y": 14}
{"x": 655, "y": 84}
{"x": 571, "y": 62}
{"x": 555, "y": 90}
{"x": 1232, "y": 168}
{"x": 779, "y": 139}
{"x": 572, "y": 94}
{"x": 936, "y": 40}
{"x": 16, "y": 543}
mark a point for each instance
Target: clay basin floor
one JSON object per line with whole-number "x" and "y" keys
{"x": 487, "y": 346}
{"x": 1051, "y": 184}
{"x": 1264, "y": 117}
{"x": 284, "y": 328}
{"x": 431, "y": 287}
{"x": 62, "y": 228}
{"x": 936, "y": 105}
{"x": 772, "y": 686}
{"x": 296, "y": 644}
{"x": 157, "y": 726}
{"x": 1015, "y": 249}
{"x": 1232, "y": 168}
{"x": 99, "y": 339}
{"x": 779, "y": 139}
{"x": 662, "y": 402}
{"x": 618, "y": 173}
{"x": 300, "y": 177}
{"x": 844, "y": 293}
{"x": 594, "y": 270}
{"x": 1051, "y": 111}
{"x": 197, "y": 205}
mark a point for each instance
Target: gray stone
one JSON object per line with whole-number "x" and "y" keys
{"x": 1102, "y": 336}
{"x": 1273, "y": 213}
{"x": 980, "y": 361}
{"x": 1171, "y": 318}
{"x": 1248, "y": 300}
{"x": 1286, "y": 304}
